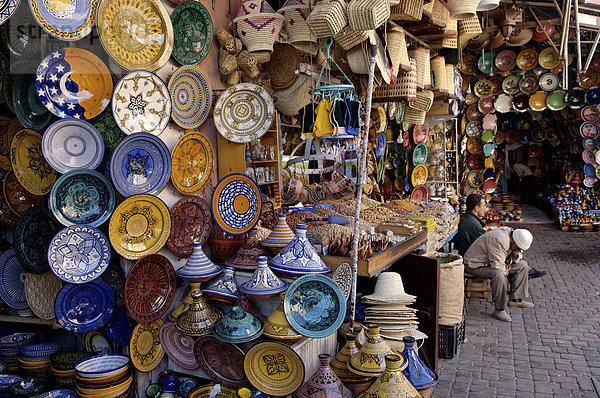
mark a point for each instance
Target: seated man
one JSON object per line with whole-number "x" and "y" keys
{"x": 497, "y": 255}
{"x": 470, "y": 226}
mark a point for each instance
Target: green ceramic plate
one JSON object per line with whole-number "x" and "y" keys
{"x": 487, "y": 136}
{"x": 420, "y": 154}
{"x": 193, "y": 32}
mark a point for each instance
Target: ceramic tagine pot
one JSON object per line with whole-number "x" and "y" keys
{"x": 324, "y": 383}
{"x": 247, "y": 256}
{"x": 199, "y": 319}
{"x": 280, "y": 236}
{"x": 392, "y": 382}
{"x": 263, "y": 283}
{"x": 224, "y": 246}
{"x": 223, "y": 288}
{"x": 419, "y": 375}
{"x": 370, "y": 359}
{"x": 238, "y": 327}
{"x": 299, "y": 257}
{"x": 278, "y": 328}
{"x": 198, "y": 267}
{"x": 185, "y": 304}
{"x": 339, "y": 365}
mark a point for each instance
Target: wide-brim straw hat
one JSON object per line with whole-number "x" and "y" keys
{"x": 282, "y": 67}
{"x": 389, "y": 289}
{"x": 397, "y": 50}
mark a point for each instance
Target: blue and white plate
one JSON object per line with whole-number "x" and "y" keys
{"x": 589, "y": 170}
{"x": 42, "y": 350}
{"x": 86, "y": 307}
{"x": 140, "y": 164}
{"x": 79, "y": 254}
{"x": 381, "y": 143}
{"x": 58, "y": 394}
{"x": 66, "y": 20}
{"x": 82, "y": 197}
{"x": 7, "y": 8}
{"x": 191, "y": 96}
{"x": 12, "y": 281}
{"x": 236, "y": 204}
{"x": 8, "y": 380}
{"x": 16, "y": 340}
{"x": 70, "y": 144}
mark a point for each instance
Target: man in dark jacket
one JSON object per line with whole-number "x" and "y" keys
{"x": 471, "y": 227}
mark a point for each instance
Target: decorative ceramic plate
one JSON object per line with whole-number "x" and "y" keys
{"x": 343, "y": 277}
{"x": 191, "y": 221}
{"x": 118, "y": 328}
{"x": 12, "y": 281}
{"x": 73, "y": 82}
{"x": 150, "y": 288}
{"x": 419, "y": 175}
{"x": 590, "y": 114}
{"x": 86, "y": 307}
{"x": 315, "y": 306}
{"x": 549, "y": 82}
{"x": 506, "y": 60}
{"x": 244, "y": 112}
{"x": 488, "y": 149}
{"x": 5, "y": 122}
{"x": 503, "y": 103}
{"x": 139, "y": 226}
{"x": 473, "y": 129}
{"x": 212, "y": 390}
{"x": 145, "y": 349}
{"x": 486, "y": 63}
{"x": 475, "y": 161}
{"x": 274, "y": 368}
{"x": 419, "y": 193}
{"x": 222, "y": 362}
{"x": 537, "y": 101}
{"x": 65, "y": 21}
{"x": 7, "y": 8}
{"x": 486, "y": 105}
{"x": 588, "y": 130}
{"x": 419, "y": 154}
{"x": 193, "y": 31}
{"x": 141, "y": 103}
{"x": 527, "y": 59}
{"x": 71, "y": 144}
{"x": 236, "y": 204}
{"x": 140, "y": 164}
{"x": 521, "y": 102}
{"x": 192, "y": 163}
{"x": 587, "y": 156}
{"x": 82, "y": 197}
{"x": 548, "y": 58}
{"x": 28, "y": 163}
{"x": 473, "y": 113}
{"x": 510, "y": 85}
{"x": 483, "y": 88}
{"x": 41, "y": 291}
{"x": 529, "y": 83}
{"x": 179, "y": 347}
{"x": 17, "y": 198}
{"x": 191, "y": 94}
{"x": 79, "y": 254}
{"x": 589, "y": 170}
{"x": 137, "y": 34}
{"x": 27, "y": 106}
{"x": 31, "y": 239}
{"x": 58, "y": 394}
{"x": 475, "y": 178}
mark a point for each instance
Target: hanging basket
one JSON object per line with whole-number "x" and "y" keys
{"x": 296, "y": 14}
{"x": 290, "y": 100}
{"x": 468, "y": 28}
{"x": 423, "y": 101}
{"x": 446, "y": 42}
{"x": 450, "y": 78}
{"x": 463, "y": 9}
{"x": 407, "y": 10}
{"x": 348, "y": 38}
{"x": 405, "y": 88}
{"x": 396, "y": 46}
{"x": 257, "y": 25}
{"x": 367, "y": 14}
{"x": 421, "y": 56}
{"x": 438, "y": 65}
{"x": 328, "y": 18}
{"x": 414, "y": 116}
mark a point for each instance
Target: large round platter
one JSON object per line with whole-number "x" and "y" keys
{"x": 419, "y": 193}
{"x": 27, "y": 106}
{"x": 343, "y": 277}
{"x": 139, "y": 226}
{"x": 7, "y": 8}
{"x": 179, "y": 347}
{"x": 86, "y": 307}
{"x": 315, "y": 306}
{"x": 141, "y": 103}
{"x": 419, "y": 175}
{"x": 145, "y": 349}
{"x": 191, "y": 222}
{"x": 236, "y": 204}
{"x": 73, "y": 82}
{"x": 65, "y": 21}
{"x": 244, "y": 112}
{"x": 5, "y": 122}
{"x": 29, "y": 165}
{"x": 31, "y": 238}
{"x": 222, "y": 362}
{"x": 193, "y": 31}
{"x": 17, "y": 198}
{"x": 12, "y": 281}
{"x": 70, "y": 144}
{"x": 191, "y": 94}
{"x": 192, "y": 163}
{"x": 140, "y": 164}
{"x": 79, "y": 254}
{"x": 274, "y": 368}
{"x": 82, "y": 197}
{"x": 150, "y": 288}
{"x": 549, "y": 81}
{"x": 41, "y": 291}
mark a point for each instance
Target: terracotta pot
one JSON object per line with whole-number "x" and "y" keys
{"x": 324, "y": 383}
{"x": 224, "y": 246}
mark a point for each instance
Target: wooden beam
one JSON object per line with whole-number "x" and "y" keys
{"x": 530, "y": 24}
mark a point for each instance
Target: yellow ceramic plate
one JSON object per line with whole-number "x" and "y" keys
{"x": 548, "y": 58}
{"x": 192, "y": 163}
{"x": 144, "y": 347}
{"x": 489, "y": 162}
{"x": 137, "y": 34}
{"x": 139, "y": 226}
{"x": 527, "y": 59}
{"x": 212, "y": 391}
{"x": 419, "y": 175}
{"x": 499, "y": 137}
{"x": 537, "y": 101}
{"x": 28, "y": 163}
{"x": 474, "y": 145}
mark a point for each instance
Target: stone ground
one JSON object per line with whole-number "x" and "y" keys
{"x": 552, "y": 350}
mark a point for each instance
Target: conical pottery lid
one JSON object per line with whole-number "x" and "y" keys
{"x": 392, "y": 382}
{"x": 277, "y": 326}
{"x": 263, "y": 282}
{"x": 199, "y": 318}
{"x": 247, "y": 305}
{"x": 198, "y": 267}
{"x": 419, "y": 375}
{"x": 280, "y": 236}
{"x": 324, "y": 383}
{"x": 299, "y": 257}
{"x": 238, "y": 327}
{"x": 339, "y": 364}
{"x": 223, "y": 288}
{"x": 185, "y": 304}
{"x": 389, "y": 289}
{"x": 247, "y": 256}
{"x": 370, "y": 359}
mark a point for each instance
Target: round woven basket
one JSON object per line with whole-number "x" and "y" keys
{"x": 463, "y": 9}
{"x": 348, "y": 38}
{"x": 296, "y": 14}
{"x": 421, "y": 56}
{"x": 407, "y": 82}
{"x": 227, "y": 62}
{"x": 438, "y": 65}
{"x": 468, "y": 29}
{"x": 290, "y": 100}
{"x": 282, "y": 67}
{"x": 450, "y": 78}
{"x": 328, "y": 18}
{"x": 406, "y": 10}
{"x": 257, "y": 25}
{"x": 367, "y": 14}
{"x": 414, "y": 116}
{"x": 396, "y": 46}
{"x": 423, "y": 101}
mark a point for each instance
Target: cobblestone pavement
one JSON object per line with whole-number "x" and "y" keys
{"x": 552, "y": 350}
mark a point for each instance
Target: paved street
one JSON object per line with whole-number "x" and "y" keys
{"x": 552, "y": 350}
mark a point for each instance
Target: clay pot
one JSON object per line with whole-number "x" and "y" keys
{"x": 224, "y": 246}
{"x": 278, "y": 328}
{"x": 324, "y": 383}
{"x": 392, "y": 382}
{"x": 370, "y": 360}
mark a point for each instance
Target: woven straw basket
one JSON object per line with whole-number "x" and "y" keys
{"x": 358, "y": 59}
{"x": 414, "y": 116}
{"x": 450, "y": 78}
{"x": 290, "y": 100}
{"x": 438, "y": 65}
{"x": 396, "y": 46}
{"x": 227, "y": 62}
{"x": 296, "y": 14}
{"x": 446, "y": 42}
{"x": 367, "y": 14}
{"x": 421, "y": 56}
{"x": 328, "y": 18}
{"x": 463, "y": 9}
{"x": 257, "y": 25}
{"x": 348, "y": 38}
{"x": 282, "y": 67}
{"x": 407, "y": 10}
{"x": 423, "y": 101}
{"x": 404, "y": 89}
{"x": 468, "y": 29}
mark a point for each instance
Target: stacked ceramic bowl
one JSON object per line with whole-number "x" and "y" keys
{"x": 103, "y": 375}
{"x": 9, "y": 348}
{"x": 63, "y": 367}
{"x": 6, "y": 381}
{"x": 34, "y": 359}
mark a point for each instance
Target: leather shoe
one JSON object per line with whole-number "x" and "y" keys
{"x": 521, "y": 304}
{"x": 502, "y": 315}
{"x": 534, "y": 273}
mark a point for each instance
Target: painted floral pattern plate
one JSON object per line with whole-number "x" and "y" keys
{"x": 192, "y": 163}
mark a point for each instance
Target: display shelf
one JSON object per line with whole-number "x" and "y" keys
{"x": 268, "y": 183}
{"x": 30, "y": 320}
{"x": 261, "y": 161}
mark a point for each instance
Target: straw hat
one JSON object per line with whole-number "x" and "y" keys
{"x": 389, "y": 288}
{"x": 396, "y": 46}
{"x": 281, "y": 69}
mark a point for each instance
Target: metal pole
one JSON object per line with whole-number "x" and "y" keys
{"x": 362, "y": 171}
{"x": 592, "y": 51}
{"x": 577, "y": 33}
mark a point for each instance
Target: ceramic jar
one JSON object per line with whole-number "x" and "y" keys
{"x": 280, "y": 236}
{"x": 247, "y": 256}
{"x": 238, "y": 327}
{"x": 278, "y": 328}
{"x": 224, "y": 246}
{"x": 392, "y": 382}
{"x": 198, "y": 267}
{"x": 185, "y": 304}
{"x": 419, "y": 375}
{"x": 370, "y": 359}
{"x": 339, "y": 365}
{"x": 263, "y": 283}
{"x": 223, "y": 288}
{"x": 299, "y": 257}
{"x": 199, "y": 319}
{"x": 324, "y": 383}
